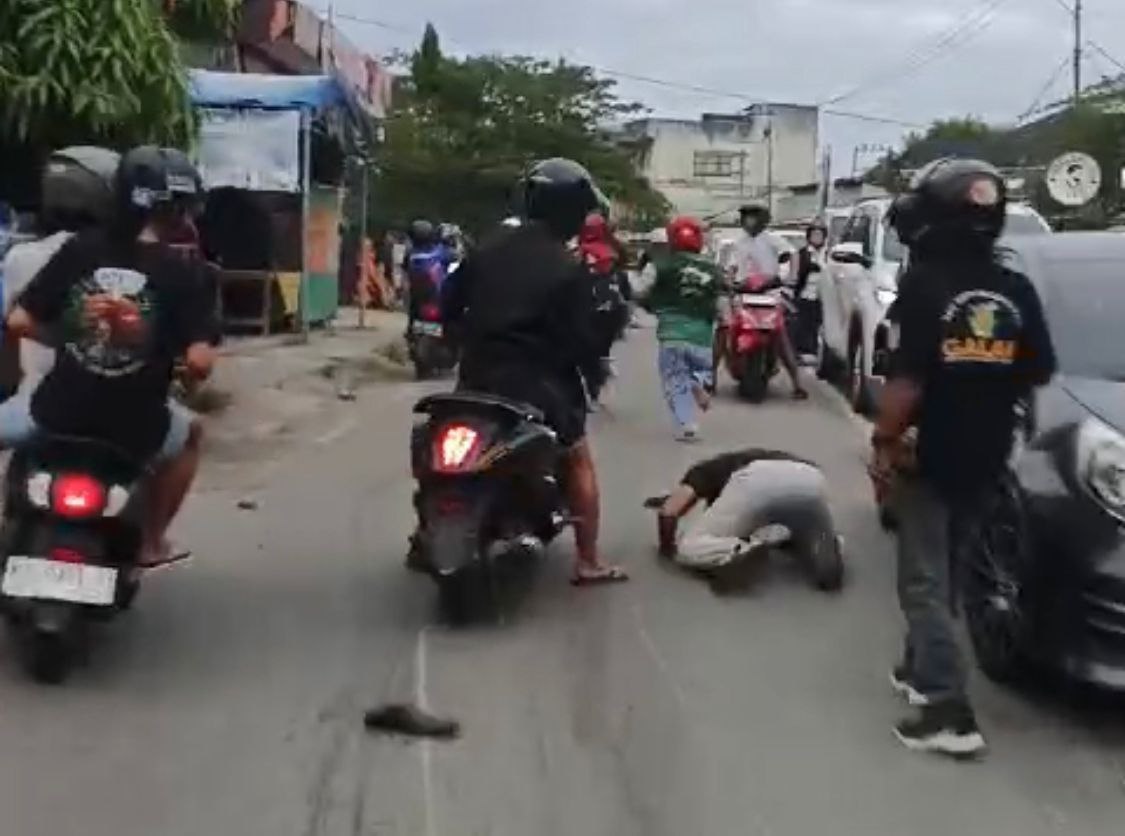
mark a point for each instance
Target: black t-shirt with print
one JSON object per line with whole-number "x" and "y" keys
{"x": 124, "y": 315}
{"x": 709, "y": 478}
{"x": 974, "y": 336}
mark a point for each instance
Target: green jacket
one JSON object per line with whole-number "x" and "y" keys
{"x": 684, "y": 297}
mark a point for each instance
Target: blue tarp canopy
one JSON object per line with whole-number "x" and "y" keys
{"x": 268, "y": 92}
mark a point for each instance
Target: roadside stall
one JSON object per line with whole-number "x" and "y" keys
{"x": 271, "y": 153}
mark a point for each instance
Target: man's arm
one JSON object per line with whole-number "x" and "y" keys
{"x": 42, "y": 302}
{"x": 675, "y": 508}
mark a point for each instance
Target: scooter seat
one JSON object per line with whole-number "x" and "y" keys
{"x": 453, "y": 401}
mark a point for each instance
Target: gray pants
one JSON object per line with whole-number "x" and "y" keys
{"x": 787, "y": 493}
{"x": 932, "y": 656}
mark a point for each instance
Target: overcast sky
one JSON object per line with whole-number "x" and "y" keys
{"x": 910, "y": 60}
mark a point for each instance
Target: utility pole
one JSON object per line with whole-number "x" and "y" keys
{"x": 1077, "y": 52}
{"x": 769, "y": 164}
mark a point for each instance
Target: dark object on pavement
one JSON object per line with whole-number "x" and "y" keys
{"x": 1042, "y": 576}
{"x": 411, "y": 721}
{"x": 248, "y": 505}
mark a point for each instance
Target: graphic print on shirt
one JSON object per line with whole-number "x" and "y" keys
{"x": 694, "y": 282}
{"x": 981, "y": 327}
{"x": 109, "y": 318}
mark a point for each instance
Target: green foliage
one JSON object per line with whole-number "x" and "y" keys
{"x": 90, "y": 71}
{"x": 465, "y": 129}
{"x": 200, "y": 19}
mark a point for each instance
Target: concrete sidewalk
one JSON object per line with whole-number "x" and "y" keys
{"x": 269, "y": 390}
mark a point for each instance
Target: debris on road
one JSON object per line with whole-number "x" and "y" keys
{"x": 248, "y": 505}
{"x": 411, "y": 721}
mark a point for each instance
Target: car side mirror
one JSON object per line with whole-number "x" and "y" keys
{"x": 850, "y": 254}
{"x": 784, "y": 258}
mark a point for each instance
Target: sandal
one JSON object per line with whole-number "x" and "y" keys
{"x": 601, "y": 577}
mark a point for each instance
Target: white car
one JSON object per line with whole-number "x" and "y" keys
{"x": 860, "y": 284}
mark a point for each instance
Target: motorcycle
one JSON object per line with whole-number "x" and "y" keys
{"x": 430, "y": 351}
{"x": 488, "y": 498}
{"x": 70, "y": 541}
{"x": 758, "y": 314}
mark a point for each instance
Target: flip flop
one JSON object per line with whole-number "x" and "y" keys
{"x": 612, "y": 574}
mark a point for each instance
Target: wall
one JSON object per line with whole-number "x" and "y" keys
{"x": 711, "y": 166}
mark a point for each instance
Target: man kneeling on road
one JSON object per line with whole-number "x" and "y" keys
{"x": 756, "y": 499}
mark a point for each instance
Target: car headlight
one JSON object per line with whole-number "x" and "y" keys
{"x": 886, "y": 296}
{"x": 1101, "y": 464}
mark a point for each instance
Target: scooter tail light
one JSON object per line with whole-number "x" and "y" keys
{"x": 77, "y": 495}
{"x": 430, "y": 313}
{"x": 456, "y": 445}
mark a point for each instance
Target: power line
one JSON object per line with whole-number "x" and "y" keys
{"x": 1118, "y": 64}
{"x": 1055, "y": 75}
{"x": 922, "y": 55}
{"x": 657, "y": 82}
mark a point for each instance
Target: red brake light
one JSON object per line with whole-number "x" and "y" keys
{"x": 431, "y": 313}
{"x": 455, "y": 444}
{"x": 77, "y": 495}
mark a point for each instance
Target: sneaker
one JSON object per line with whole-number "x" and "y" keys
{"x": 900, "y": 681}
{"x": 948, "y": 728}
{"x": 689, "y": 434}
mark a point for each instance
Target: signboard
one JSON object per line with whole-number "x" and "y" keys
{"x": 255, "y": 150}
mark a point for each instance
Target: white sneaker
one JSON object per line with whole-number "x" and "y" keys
{"x": 689, "y": 434}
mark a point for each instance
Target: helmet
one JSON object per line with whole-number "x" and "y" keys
{"x": 560, "y": 193}
{"x": 685, "y": 235}
{"x": 511, "y": 222}
{"x": 755, "y": 210}
{"x": 184, "y": 180}
{"x": 422, "y": 233}
{"x": 951, "y": 201}
{"x": 78, "y": 186}
{"x": 596, "y": 228}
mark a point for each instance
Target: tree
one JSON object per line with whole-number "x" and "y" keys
{"x": 465, "y": 129}
{"x": 98, "y": 71}
{"x": 200, "y": 19}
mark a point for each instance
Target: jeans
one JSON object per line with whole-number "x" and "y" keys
{"x": 768, "y": 492}
{"x": 934, "y": 661}
{"x": 683, "y": 367}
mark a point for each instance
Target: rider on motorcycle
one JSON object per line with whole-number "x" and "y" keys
{"x": 426, "y": 268}
{"x": 598, "y": 254}
{"x": 124, "y": 308}
{"x": 523, "y": 310}
{"x": 77, "y": 194}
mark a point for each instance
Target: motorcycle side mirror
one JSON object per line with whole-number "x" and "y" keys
{"x": 850, "y": 254}
{"x": 784, "y": 258}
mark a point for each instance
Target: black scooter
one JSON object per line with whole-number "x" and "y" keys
{"x": 488, "y": 499}
{"x": 70, "y": 541}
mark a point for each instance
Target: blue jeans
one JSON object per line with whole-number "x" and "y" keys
{"x": 683, "y": 367}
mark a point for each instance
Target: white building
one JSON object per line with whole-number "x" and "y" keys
{"x": 710, "y": 167}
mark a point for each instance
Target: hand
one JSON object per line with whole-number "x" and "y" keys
{"x": 666, "y": 533}
{"x": 882, "y": 471}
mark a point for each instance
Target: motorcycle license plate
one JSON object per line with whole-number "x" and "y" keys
{"x": 429, "y": 329}
{"x": 52, "y": 580}
{"x": 758, "y": 300}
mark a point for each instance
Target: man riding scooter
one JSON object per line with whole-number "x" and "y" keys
{"x": 125, "y": 308}
{"x": 427, "y": 267}
{"x": 754, "y": 257}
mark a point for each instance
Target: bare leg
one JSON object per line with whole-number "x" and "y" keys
{"x": 584, "y": 500}
{"x": 789, "y": 360}
{"x": 718, "y": 352}
{"x": 169, "y": 487}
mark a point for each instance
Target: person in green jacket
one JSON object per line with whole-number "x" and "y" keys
{"x": 682, "y": 290}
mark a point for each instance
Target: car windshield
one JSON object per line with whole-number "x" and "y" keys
{"x": 1086, "y": 309}
{"x": 836, "y": 227}
{"x": 1024, "y": 225}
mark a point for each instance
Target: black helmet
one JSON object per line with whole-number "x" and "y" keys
{"x": 755, "y": 210}
{"x": 78, "y": 187}
{"x": 184, "y": 180}
{"x": 421, "y": 233}
{"x": 142, "y": 181}
{"x": 560, "y": 194}
{"x": 951, "y": 202}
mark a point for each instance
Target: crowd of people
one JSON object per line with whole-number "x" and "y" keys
{"x": 105, "y": 309}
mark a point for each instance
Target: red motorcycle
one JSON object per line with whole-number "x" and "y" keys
{"x": 758, "y": 312}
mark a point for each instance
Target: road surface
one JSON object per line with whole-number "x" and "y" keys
{"x": 230, "y": 702}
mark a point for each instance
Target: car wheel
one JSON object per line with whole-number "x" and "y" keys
{"x": 859, "y": 389}
{"x": 825, "y": 367}
{"x": 994, "y": 578}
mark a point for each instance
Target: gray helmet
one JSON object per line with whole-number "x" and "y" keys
{"x": 78, "y": 183}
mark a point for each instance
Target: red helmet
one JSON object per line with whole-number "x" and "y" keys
{"x": 596, "y": 228}
{"x": 685, "y": 235}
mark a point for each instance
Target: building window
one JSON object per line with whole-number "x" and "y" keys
{"x": 715, "y": 163}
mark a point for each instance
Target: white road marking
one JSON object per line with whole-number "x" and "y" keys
{"x": 658, "y": 658}
{"x": 425, "y": 748}
{"x": 337, "y": 432}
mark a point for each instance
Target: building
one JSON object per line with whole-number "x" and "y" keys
{"x": 711, "y": 166}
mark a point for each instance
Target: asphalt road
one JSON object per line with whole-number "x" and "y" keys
{"x": 229, "y": 703}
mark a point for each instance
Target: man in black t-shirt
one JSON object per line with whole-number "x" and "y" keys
{"x": 971, "y": 342}
{"x": 755, "y": 498}
{"x": 125, "y": 308}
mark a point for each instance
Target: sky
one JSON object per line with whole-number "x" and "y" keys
{"x": 911, "y": 61}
